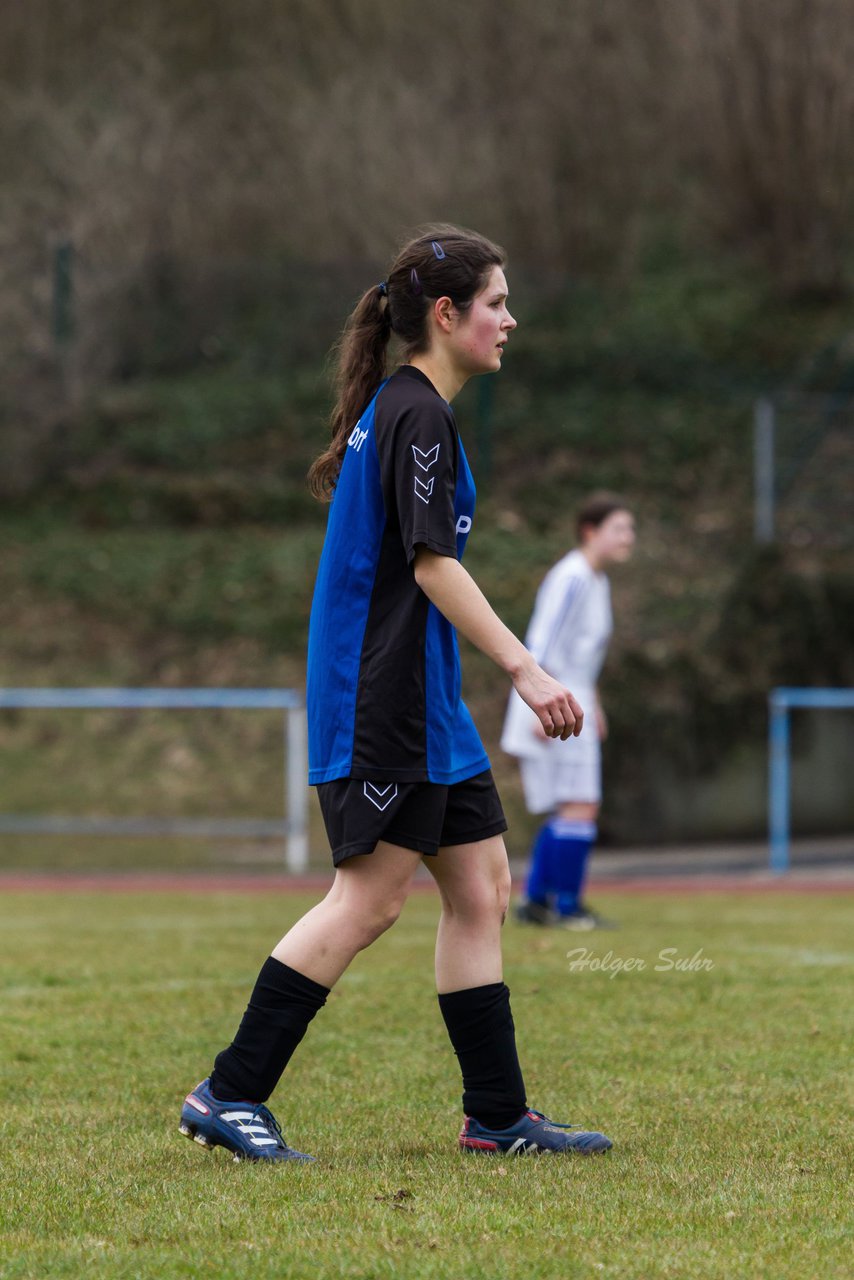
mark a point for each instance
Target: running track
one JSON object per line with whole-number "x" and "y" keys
{"x": 177, "y": 882}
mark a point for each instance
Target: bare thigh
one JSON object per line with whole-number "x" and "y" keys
{"x": 472, "y": 878}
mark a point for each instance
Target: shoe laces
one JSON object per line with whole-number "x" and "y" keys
{"x": 554, "y": 1123}
{"x": 265, "y": 1115}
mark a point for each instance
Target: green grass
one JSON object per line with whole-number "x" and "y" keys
{"x": 724, "y": 1091}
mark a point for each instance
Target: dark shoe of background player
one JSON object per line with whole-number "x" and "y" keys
{"x": 583, "y": 919}
{"x": 534, "y": 913}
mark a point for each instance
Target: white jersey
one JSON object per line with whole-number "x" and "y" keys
{"x": 568, "y": 636}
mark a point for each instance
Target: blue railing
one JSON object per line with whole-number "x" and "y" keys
{"x": 780, "y": 703}
{"x": 294, "y": 826}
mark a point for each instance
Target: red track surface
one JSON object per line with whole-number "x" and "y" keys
{"x": 183, "y": 882}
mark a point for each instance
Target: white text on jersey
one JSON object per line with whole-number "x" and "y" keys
{"x": 357, "y": 437}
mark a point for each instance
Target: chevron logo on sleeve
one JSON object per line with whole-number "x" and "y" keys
{"x": 424, "y": 459}
{"x": 424, "y": 489}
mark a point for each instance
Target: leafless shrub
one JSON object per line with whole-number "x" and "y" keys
{"x": 174, "y": 132}
{"x": 765, "y": 90}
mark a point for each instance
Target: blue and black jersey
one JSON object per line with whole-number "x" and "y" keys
{"x": 383, "y": 665}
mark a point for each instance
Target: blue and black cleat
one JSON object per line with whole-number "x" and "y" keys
{"x": 534, "y": 1134}
{"x": 248, "y": 1130}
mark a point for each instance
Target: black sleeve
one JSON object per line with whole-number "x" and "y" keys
{"x": 419, "y": 473}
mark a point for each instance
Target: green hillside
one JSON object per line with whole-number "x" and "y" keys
{"x": 166, "y": 534}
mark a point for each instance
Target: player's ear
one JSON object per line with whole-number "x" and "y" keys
{"x": 444, "y": 311}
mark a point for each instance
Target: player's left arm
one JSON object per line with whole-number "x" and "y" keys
{"x": 455, "y": 594}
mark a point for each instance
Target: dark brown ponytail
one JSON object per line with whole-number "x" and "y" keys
{"x": 360, "y": 368}
{"x": 439, "y": 261}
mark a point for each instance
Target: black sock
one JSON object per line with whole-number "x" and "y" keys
{"x": 280, "y": 1008}
{"x": 480, "y": 1025}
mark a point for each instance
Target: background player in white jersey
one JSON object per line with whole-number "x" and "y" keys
{"x": 568, "y": 635}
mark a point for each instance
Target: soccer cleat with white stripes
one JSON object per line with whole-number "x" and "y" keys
{"x": 533, "y": 1134}
{"x": 248, "y": 1130}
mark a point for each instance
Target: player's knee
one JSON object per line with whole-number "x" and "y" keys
{"x": 503, "y": 888}
{"x": 376, "y": 918}
{"x": 485, "y": 900}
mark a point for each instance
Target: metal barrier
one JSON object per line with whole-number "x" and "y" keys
{"x": 803, "y": 468}
{"x": 780, "y": 703}
{"x": 295, "y": 824}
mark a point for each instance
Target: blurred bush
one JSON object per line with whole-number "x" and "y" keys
{"x": 171, "y": 143}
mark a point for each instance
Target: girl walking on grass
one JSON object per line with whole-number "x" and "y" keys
{"x": 401, "y": 773}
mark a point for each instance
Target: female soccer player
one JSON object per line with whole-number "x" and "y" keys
{"x": 400, "y": 770}
{"x": 568, "y": 635}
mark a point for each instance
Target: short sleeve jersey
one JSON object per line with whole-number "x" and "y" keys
{"x": 383, "y": 687}
{"x": 568, "y": 635}
{"x": 571, "y": 624}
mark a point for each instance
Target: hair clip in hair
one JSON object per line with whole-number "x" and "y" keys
{"x": 438, "y": 250}
{"x": 383, "y": 289}
{"x": 415, "y": 282}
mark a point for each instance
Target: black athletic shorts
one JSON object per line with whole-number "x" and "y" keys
{"x": 422, "y": 816}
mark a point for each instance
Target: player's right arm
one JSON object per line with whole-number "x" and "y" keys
{"x": 453, "y": 591}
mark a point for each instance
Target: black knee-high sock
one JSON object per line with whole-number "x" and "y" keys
{"x": 480, "y": 1025}
{"x": 280, "y": 1008}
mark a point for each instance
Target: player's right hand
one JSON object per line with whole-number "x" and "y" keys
{"x": 559, "y": 713}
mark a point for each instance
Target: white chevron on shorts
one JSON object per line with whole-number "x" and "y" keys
{"x": 380, "y": 797}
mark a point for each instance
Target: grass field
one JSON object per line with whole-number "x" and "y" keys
{"x": 723, "y": 1088}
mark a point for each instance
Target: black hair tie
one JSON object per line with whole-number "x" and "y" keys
{"x": 383, "y": 289}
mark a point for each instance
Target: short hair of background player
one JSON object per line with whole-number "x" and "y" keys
{"x": 595, "y": 509}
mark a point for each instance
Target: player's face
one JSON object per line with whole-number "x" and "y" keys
{"x": 614, "y": 540}
{"x": 480, "y": 334}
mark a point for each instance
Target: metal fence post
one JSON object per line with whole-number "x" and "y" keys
{"x": 296, "y": 796}
{"x": 62, "y": 316}
{"x": 484, "y": 419}
{"x": 763, "y": 470}
{"x": 778, "y": 783}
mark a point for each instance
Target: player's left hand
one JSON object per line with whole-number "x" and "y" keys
{"x": 539, "y": 732}
{"x": 558, "y": 711}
